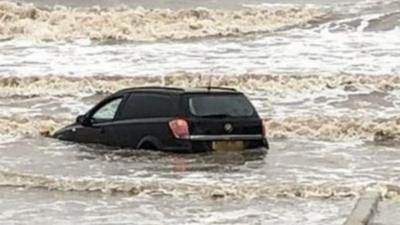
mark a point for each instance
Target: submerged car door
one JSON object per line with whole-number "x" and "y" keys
{"x": 101, "y": 119}
{"x": 143, "y": 115}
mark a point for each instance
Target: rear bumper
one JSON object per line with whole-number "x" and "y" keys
{"x": 203, "y": 143}
{"x": 233, "y": 137}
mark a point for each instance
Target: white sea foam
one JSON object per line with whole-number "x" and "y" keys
{"x": 336, "y": 42}
{"x": 139, "y": 24}
{"x": 321, "y": 50}
{"x": 130, "y": 186}
{"x": 316, "y": 107}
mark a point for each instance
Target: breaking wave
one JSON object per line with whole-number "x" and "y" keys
{"x": 140, "y": 24}
{"x": 210, "y": 190}
{"x": 66, "y": 85}
{"x": 336, "y": 128}
{"x": 311, "y": 127}
{"x": 31, "y": 126}
{"x": 308, "y": 125}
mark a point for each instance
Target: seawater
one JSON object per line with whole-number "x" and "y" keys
{"x": 324, "y": 77}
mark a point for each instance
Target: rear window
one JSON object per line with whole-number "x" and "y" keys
{"x": 220, "y": 105}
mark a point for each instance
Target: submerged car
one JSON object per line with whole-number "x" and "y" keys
{"x": 171, "y": 119}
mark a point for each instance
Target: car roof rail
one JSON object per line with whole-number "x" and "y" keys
{"x": 151, "y": 88}
{"x": 158, "y": 88}
{"x": 219, "y": 88}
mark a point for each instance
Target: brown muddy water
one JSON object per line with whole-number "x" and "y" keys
{"x": 324, "y": 77}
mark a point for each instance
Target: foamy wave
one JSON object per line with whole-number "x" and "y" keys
{"x": 311, "y": 127}
{"x": 30, "y": 126}
{"x": 327, "y": 127}
{"x": 386, "y": 21}
{"x": 139, "y": 24}
{"x": 210, "y": 190}
{"x": 367, "y": 6}
{"x": 82, "y": 86}
{"x": 336, "y": 128}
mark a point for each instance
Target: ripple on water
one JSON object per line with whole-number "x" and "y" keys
{"x": 291, "y": 168}
{"x": 44, "y": 207}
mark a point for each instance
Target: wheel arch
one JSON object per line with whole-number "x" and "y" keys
{"x": 149, "y": 140}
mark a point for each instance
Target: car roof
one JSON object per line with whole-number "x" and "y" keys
{"x": 175, "y": 90}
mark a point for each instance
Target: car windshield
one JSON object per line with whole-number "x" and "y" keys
{"x": 220, "y": 106}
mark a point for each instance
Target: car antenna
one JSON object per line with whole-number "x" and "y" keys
{"x": 210, "y": 79}
{"x": 209, "y": 83}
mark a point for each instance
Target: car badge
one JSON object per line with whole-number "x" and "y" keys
{"x": 228, "y": 128}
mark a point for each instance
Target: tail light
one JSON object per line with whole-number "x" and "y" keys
{"x": 180, "y": 128}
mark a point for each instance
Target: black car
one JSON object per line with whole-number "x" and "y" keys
{"x": 171, "y": 119}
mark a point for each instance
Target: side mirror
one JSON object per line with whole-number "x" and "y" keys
{"x": 83, "y": 120}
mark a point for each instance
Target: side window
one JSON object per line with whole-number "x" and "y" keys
{"x": 108, "y": 111}
{"x": 148, "y": 106}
